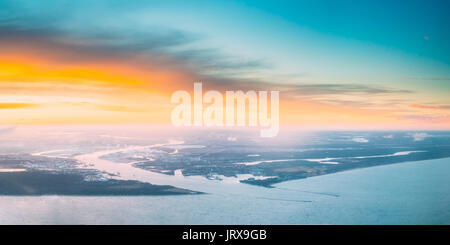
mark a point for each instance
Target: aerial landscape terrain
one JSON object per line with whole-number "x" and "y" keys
{"x": 77, "y": 162}
{"x": 224, "y": 112}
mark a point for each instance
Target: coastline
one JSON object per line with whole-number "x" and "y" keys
{"x": 363, "y": 168}
{"x": 410, "y": 193}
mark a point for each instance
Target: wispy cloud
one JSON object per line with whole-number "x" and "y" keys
{"x": 335, "y": 88}
{"x": 15, "y": 105}
{"x": 427, "y": 119}
{"x": 432, "y": 107}
{"x": 145, "y": 44}
{"x": 352, "y": 95}
{"x": 431, "y": 78}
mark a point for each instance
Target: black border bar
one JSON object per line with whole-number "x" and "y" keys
{"x": 261, "y": 234}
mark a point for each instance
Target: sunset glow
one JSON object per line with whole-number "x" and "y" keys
{"x": 71, "y": 78}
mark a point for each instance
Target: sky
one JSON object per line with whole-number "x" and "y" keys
{"x": 337, "y": 64}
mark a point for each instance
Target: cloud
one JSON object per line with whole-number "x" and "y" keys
{"x": 211, "y": 61}
{"x": 360, "y": 140}
{"x": 418, "y": 117}
{"x": 433, "y": 107}
{"x": 431, "y": 78}
{"x": 330, "y": 88}
{"x": 388, "y": 136}
{"x": 116, "y": 53}
{"x": 67, "y": 34}
{"x": 166, "y": 46}
{"x": 428, "y": 118}
{"x": 15, "y": 105}
{"x": 7, "y": 130}
{"x": 232, "y": 139}
{"x": 369, "y": 96}
{"x": 419, "y": 136}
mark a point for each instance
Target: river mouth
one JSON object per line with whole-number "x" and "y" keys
{"x": 126, "y": 171}
{"x": 219, "y": 185}
{"x": 210, "y": 163}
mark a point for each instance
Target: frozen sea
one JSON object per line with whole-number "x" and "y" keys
{"x": 403, "y": 193}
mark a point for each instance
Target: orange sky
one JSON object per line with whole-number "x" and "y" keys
{"x": 42, "y": 85}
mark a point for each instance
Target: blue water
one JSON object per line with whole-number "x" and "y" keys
{"x": 404, "y": 193}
